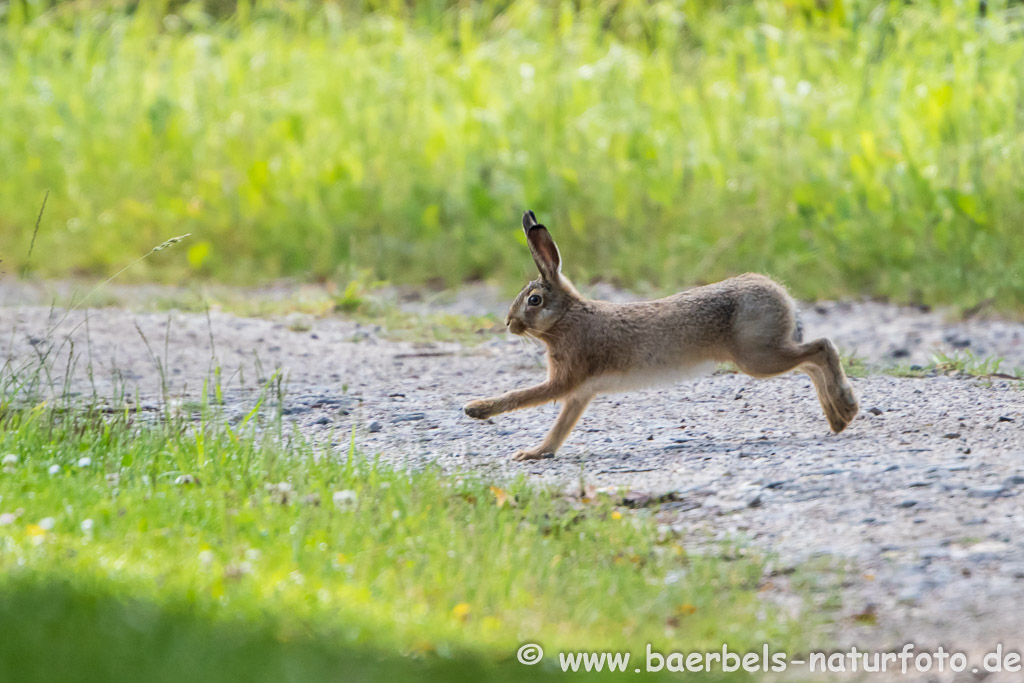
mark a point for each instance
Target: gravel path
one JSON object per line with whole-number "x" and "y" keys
{"x": 916, "y": 508}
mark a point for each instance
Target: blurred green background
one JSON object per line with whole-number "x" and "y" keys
{"x": 847, "y": 147}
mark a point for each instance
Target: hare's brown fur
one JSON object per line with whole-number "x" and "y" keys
{"x": 598, "y": 347}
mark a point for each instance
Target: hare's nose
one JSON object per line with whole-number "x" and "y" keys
{"x": 508, "y": 320}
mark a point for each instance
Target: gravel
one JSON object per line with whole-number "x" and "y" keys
{"x": 912, "y": 515}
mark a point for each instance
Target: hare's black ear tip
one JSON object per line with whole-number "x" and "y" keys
{"x": 529, "y": 220}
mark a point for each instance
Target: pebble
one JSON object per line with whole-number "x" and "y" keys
{"x": 1012, "y": 481}
{"x": 409, "y": 417}
{"x": 986, "y": 491}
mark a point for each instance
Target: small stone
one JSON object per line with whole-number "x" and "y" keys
{"x": 374, "y": 426}
{"x": 1013, "y": 480}
{"x": 986, "y": 551}
{"x": 911, "y": 594}
{"x": 986, "y": 492}
{"x": 1005, "y": 418}
{"x": 322, "y": 420}
{"x": 637, "y": 499}
{"x": 951, "y": 435}
{"x": 875, "y": 410}
{"x": 409, "y": 417}
{"x": 909, "y": 503}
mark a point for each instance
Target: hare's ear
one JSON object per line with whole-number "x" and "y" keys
{"x": 545, "y": 252}
{"x": 529, "y": 220}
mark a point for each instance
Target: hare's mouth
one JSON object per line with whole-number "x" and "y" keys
{"x": 516, "y": 327}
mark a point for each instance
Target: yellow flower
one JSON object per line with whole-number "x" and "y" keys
{"x": 461, "y": 611}
{"x": 501, "y": 497}
{"x": 616, "y": 514}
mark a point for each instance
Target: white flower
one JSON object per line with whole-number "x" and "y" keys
{"x": 205, "y": 558}
{"x": 47, "y": 523}
{"x": 54, "y": 469}
{"x": 87, "y": 526}
{"x": 84, "y": 461}
{"x": 10, "y": 460}
{"x": 344, "y": 499}
{"x": 7, "y": 518}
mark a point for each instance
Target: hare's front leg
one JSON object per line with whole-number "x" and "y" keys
{"x": 483, "y": 408}
{"x": 572, "y": 408}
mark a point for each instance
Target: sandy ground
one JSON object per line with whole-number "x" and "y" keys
{"x": 914, "y": 514}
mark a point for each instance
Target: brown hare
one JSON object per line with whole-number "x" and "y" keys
{"x": 599, "y": 347}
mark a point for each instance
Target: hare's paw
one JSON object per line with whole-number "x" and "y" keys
{"x": 480, "y": 409}
{"x": 843, "y": 409}
{"x": 532, "y": 454}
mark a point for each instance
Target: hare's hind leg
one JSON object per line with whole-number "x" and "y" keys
{"x": 820, "y": 360}
{"x": 839, "y": 411}
{"x": 572, "y": 408}
{"x": 826, "y": 371}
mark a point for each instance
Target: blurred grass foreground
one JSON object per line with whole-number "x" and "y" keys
{"x": 846, "y": 147}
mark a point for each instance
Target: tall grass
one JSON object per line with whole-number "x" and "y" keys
{"x": 847, "y": 148}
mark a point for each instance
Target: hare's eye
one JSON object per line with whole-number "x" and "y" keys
{"x": 534, "y": 300}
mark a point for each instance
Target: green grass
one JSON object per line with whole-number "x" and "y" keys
{"x": 959, "y": 363}
{"x": 844, "y": 147}
{"x": 147, "y": 550}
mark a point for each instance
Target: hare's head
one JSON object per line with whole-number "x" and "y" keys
{"x": 544, "y": 301}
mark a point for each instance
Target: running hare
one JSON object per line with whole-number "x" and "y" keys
{"x": 598, "y": 347}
